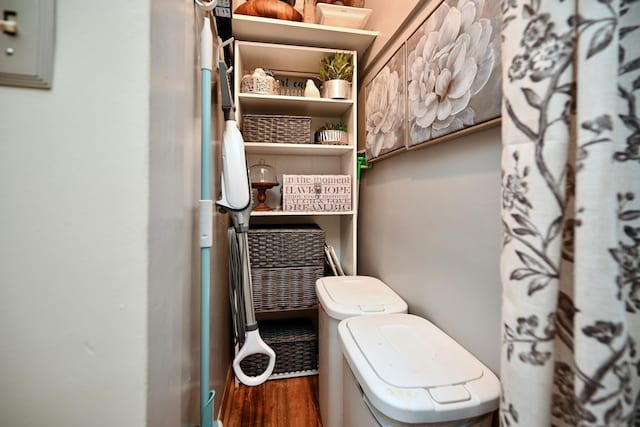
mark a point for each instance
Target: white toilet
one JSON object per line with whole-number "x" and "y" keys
{"x": 341, "y": 297}
{"x": 401, "y": 370}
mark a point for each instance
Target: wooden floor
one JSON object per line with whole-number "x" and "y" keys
{"x": 289, "y": 402}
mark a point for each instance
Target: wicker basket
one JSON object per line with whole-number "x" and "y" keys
{"x": 294, "y": 342}
{"x": 275, "y": 289}
{"x": 276, "y": 129}
{"x": 286, "y": 246}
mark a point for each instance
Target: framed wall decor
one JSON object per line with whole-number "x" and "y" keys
{"x": 454, "y": 76}
{"x": 385, "y": 113}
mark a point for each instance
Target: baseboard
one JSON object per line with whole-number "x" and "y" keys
{"x": 227, "y": 394}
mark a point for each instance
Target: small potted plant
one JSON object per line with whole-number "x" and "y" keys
{"x": 332, "y": 134}
{"x": 336, "y": 71}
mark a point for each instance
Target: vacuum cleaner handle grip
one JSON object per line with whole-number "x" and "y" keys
{"x": 253, "y": 344}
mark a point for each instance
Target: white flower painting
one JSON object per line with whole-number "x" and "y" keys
{"x": 385, "y": 108}
{"x": 453, "y": 69}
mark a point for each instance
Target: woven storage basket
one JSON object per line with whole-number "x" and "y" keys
{"x": 276, "y": 129}
{"x": 286, "y": 246}
{"x": 294, "y": 342}
{"x": 275, "y": 289}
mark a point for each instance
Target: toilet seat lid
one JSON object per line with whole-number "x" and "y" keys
{"x": 347, "y": 296}
{"x": 409, "y": 351}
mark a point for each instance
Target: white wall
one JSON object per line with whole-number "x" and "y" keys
{"x": 429, "y": 219}
{"x": 74, "y": 167}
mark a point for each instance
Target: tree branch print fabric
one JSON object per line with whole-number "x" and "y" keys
{"x": 570, "y": 264}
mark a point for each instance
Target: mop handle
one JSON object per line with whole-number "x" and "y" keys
{"x": 253, "y": 343}
{"x": 247, "y": 289}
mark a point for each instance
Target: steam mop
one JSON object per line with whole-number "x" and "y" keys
{"x": 236, "y": 200}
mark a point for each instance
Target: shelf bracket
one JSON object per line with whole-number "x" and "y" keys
{"x": 361, "y": 163}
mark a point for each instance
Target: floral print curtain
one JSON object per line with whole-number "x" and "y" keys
{"x": 570, "y": 264}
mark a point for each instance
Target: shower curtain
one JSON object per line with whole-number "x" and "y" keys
{"x": 570, "y": 263}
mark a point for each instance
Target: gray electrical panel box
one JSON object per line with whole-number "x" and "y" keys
{"x": 27, "y": 30}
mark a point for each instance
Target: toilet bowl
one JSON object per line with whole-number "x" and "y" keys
{"x": 401, "y": 370}
{"x": 342, "y": 297}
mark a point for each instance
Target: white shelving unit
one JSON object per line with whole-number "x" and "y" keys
{"x": 297, "y": 48}
{"x": 269, "y": 30}
{"x": 302, "y": 106}
{"x": 296, "y": 149}
{"x": 307, "y": 159}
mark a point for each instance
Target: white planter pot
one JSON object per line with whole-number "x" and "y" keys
{"x": 333, "y": 137}
{"x": 336, "y": 89}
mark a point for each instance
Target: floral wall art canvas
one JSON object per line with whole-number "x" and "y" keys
{"x": 454, "y": 74}
{"x": 385, "y": 108}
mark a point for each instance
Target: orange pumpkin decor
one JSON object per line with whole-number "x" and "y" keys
{"x": 269, "y": 9}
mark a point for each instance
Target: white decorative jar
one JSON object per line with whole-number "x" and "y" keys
{"x": 260, "y": 82}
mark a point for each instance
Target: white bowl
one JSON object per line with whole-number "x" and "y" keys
{"x": 342, "y": 16}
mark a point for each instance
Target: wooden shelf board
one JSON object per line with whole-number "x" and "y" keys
{"x": 282, "y": 213}
{"x": 294, "y": 374}
{"x": 299, "y": 33}
{"x": 277, "y": 104}
{"x": 260, "y": 313}
{"x": 296, "y": 149}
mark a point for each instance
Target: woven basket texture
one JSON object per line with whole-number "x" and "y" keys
{"x": 294, "y": 342}
{"x": 288, "y": 246}
{"x": 281, "y": 288}
{"x": 276, "y": 129}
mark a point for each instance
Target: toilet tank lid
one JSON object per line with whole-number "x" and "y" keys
{"x": 346, "y": 296}
{"x": 409, "y": 368}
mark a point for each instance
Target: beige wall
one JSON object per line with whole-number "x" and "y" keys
{"x": 429, "y": 222}
{"x": 429, "y": 227}
{"x": 174, "y": 278}
{"x": 99, "y": 182}
{"x": 74, "y": 195}
{"x": 174, "y": 295}
{"x": 387, "y": 21}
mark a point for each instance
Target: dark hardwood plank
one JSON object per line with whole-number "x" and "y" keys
{"x": 289, "y": 402}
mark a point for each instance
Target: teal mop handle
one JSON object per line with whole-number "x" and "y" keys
{"x": 206, "y": 401}
{"x": 206, "y": 225}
